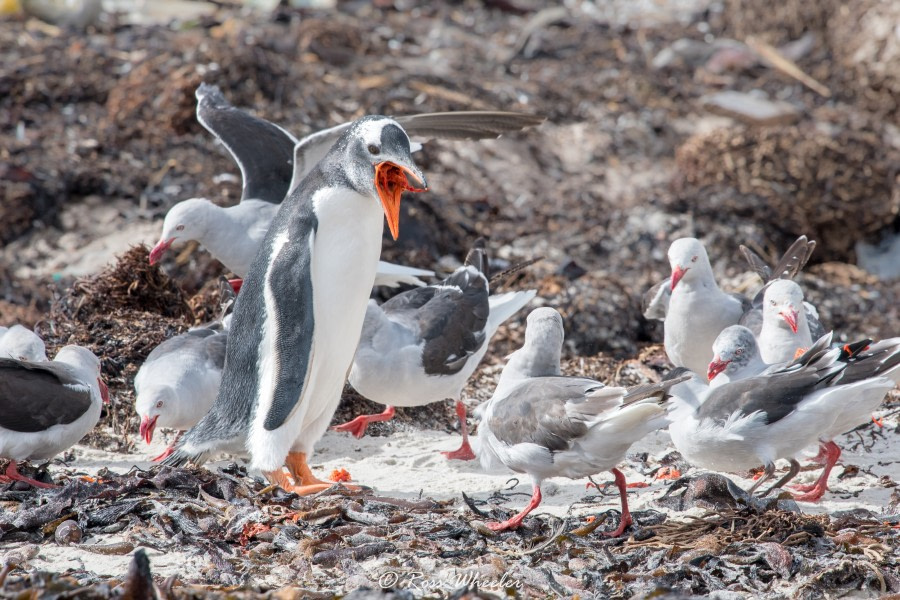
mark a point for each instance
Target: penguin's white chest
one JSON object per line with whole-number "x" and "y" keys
{"x": 344, "y": 262}
{"x": 344, "y": 252}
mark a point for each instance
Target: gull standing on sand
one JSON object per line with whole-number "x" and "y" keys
{"x": 46, "y": 407}
{"x": 297, "y": 321}
{"x": 547, "y": 425}
{"x": 422, "y": 346}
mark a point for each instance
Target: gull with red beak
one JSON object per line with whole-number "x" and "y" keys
{"x": 47, "y": 407}
{"x": 297, "y": 321}
{"x": 545, "y": 424}
{"x": 179, "y": 381}
{"x": 422, "y": 345}
{"x": 698, "y": 310}
{"x": 779, "y": 412}
{"x": 785, "y": 326}
{"x": 272, "y": 162}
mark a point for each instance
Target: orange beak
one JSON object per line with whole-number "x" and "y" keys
{"x": 390, "y": 183}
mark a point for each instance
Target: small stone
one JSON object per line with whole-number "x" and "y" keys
{"x": 68, "y": 532}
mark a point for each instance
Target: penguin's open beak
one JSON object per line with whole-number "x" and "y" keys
{"x": 391, "y": 180}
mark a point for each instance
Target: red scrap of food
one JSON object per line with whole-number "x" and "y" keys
{"x": 590, "y": 519}
{"x": 879, "y": 421}
{"x": 668, "y": 473}
{"x": 340, "y": 475}
{"x": 637, "y": 484}
{"x": 251, "y": 530}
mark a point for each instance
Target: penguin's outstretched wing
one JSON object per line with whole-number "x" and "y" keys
{"x": 456, "y": 125}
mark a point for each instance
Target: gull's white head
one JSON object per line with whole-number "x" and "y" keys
{"x": 733, "y": 350}
{"x": 688, "y": 260}
{"x": 783, "y": 304}
{"x": 21, "y": 343}
{"x": 187, "y": 220}
{"x": 156, "y": 405}
{"x": 86, "y": 364}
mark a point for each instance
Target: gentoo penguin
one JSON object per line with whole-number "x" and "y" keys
{"x": 265, "y": 154}
{"x": 179, "y": 381}
{"x": 545, "y": 424}
{"x": 46, "y": 407}
{"x": 297, "y": 321}
{"x": 421, "y": 346}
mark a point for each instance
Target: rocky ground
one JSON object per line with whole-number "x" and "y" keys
{"x": 722, "y": 120}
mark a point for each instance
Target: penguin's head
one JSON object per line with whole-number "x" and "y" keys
{"x": 378, "y": 162}
{"x": 187, "y": 220}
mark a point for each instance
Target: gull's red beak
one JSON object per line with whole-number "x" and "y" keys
{"x": 677, "y": 274}
{"x": 159, "y": 249}
{"x": 147, "y": 427}
{"x": 715, "y": 367}
{"x": 390, "y": 183}
{"x": 236, "y": 285}
{"x": 104, "y": 391}
{"x": 790, "y": 317}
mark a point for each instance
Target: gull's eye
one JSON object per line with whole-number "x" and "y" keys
{"x": 179, "y": 228}
{"x": 772, "y": 302}
{"x": 739, "y": 351}
{"x": 374, "y": 150}
{"x": 159, "y": 404}
{"x": 694, "y": 259}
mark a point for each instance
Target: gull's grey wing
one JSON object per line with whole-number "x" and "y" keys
{"x": 37, "y": 396}
{"x": 535, "y": 412}
{"x": 655, "y": 302}
{"x": 263, "y": 151}
{"x": 791, "y": 262}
